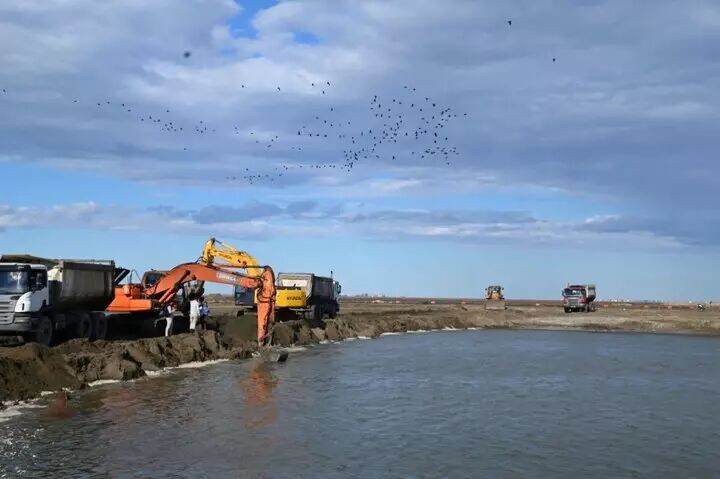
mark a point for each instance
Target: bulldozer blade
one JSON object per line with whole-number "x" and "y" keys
{"x": 495, "y": 304}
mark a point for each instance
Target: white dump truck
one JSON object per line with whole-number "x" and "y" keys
{"x": 44, "y": 299}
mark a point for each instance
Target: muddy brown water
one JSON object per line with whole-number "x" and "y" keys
{"x": 443, "y": 404}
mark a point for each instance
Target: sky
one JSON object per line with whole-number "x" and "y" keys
{"x": 576, "y": 140}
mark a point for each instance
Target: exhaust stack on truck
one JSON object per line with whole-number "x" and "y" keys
{"x": 41, "y": 299}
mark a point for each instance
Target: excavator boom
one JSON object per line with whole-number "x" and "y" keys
{"x": 144, "y": 298}
{"x": 232, "y": 256}
{"x": 166, "y": 288}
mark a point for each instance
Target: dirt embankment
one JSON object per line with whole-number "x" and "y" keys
{"x": 27, "y": 370}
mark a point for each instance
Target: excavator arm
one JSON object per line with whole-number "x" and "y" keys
{"x": 231, "y": 256}
{"x": 166, "y": 288}
{"x": 234, "y": 258}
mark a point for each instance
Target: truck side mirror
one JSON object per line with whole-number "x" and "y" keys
{"x": 338, "y": 288}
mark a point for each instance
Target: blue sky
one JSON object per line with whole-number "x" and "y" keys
{"x": 599, "y": 166}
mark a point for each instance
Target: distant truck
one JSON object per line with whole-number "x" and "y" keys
{"x": 579, "y": 297}
{"x": 43, "y": 299}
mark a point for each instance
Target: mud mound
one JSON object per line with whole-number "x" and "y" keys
{"x": 27, "y": 370}
{"x": 30, "y": 369}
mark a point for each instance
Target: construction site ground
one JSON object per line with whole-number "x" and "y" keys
{"x": 28, "y": 370}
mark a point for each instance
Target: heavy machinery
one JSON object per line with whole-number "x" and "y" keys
{"x": 579, "y": 297}
{"x": 286, "y": 299}
{"x": 146, "y": 300}
{"x": 321, "y": 293}
{"x": 45, "y": 299}
{"x": 494, "y": 298}
{"x": 158, "y": 288}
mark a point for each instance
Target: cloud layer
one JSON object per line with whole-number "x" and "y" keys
{"x": 610, "y": 102}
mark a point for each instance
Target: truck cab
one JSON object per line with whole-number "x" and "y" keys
{"x": 579, "y": 297}
{"x": 23, "y": 294}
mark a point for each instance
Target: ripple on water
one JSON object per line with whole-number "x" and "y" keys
{"x": 483, "y": 404}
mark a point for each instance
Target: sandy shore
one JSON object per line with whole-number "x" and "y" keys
{"x": 28, "y": 370}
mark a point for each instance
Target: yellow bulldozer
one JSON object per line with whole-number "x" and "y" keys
{"x": 494, "y": 298}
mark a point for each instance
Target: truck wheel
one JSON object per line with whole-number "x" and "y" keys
{"x": 333, "y": 313}
{"x": 45, "y": 332}
{"x": 100, "y": 326}
{"x": 84, "y": 327}
{"x": 567, "y": 310}
{"x": 314, "y": 316}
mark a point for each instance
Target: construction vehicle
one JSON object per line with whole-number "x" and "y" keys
{"x": 494, "y": 298}
{"x": 579, "y": 297}
{"x": 148, "y": 298}
{"x": 45, "y": 300}
{"x": 321, "y": 295}
{"x": 286, "y": 299}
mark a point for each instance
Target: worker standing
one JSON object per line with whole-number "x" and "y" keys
{"x": 204, "y": 312}
{"x": 169, "y": 312}
{"x": 194, "y": 312}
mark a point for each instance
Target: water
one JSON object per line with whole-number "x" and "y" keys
{"x": 449, "y": 404}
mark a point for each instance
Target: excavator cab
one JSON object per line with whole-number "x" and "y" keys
{"x": 494, "y": 298}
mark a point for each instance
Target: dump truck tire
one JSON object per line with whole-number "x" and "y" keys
{"x": 100, "y": 326}
{"x": 567, "y": 310}
{"x": 83, "y": 326}
{"x": 45, "y": 332}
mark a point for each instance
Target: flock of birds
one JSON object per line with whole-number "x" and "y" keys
{"x": 406, "y": 126}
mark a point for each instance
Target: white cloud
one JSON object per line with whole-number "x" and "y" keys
{"x": 626, "y": 112}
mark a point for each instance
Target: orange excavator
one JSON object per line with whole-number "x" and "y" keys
{"x": 157, "y": 289}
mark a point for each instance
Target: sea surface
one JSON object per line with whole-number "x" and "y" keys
{"x": 490, "y": 404}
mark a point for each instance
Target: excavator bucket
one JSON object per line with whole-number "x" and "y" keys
{"x": 495, "y": 304}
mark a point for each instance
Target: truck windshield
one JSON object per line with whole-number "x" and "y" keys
{"x": 574, "y": 292}
{"x": 13, "y": 282}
